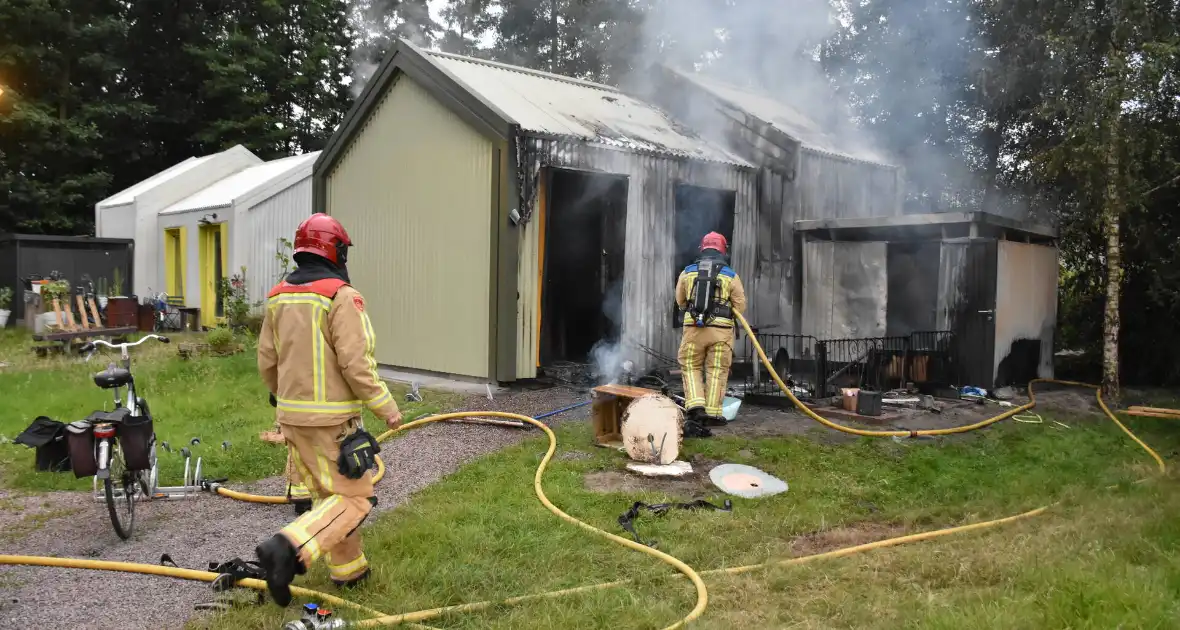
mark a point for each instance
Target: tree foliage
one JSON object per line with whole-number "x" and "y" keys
{"x": 101, "y": 95}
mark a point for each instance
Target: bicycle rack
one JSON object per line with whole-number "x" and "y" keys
{"x": 194, "y": 483}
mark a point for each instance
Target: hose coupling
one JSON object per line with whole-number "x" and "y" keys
{"x": 211, "y": 485}
{"x": 316, "y": 618}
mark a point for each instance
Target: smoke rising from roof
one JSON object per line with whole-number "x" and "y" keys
{"x": 761, "y": 53}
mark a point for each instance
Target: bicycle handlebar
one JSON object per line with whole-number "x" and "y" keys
{"x": 90, "y": 346}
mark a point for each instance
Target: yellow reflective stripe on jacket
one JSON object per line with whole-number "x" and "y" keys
{"x": 314, "y": 299}
{"x": 319, "y": 386}
{"x": 319, "y": 406}
{"x": 371, "y": 357}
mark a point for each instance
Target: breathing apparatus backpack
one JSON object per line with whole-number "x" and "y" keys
{"x": 704, "y": 298}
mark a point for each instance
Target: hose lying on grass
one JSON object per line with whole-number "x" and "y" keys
{"x": 380, "y": 619}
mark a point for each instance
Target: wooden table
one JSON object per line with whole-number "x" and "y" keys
{"x": 608, "y": 403}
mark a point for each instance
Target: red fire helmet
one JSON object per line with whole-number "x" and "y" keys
{"x": 714, "y": 240}
{"x": 322, "y": 235}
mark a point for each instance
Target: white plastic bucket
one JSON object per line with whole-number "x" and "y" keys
{"x": 4, "y": 317}
{"x": 44, "y": 321}
{"x": 729, "y": 407}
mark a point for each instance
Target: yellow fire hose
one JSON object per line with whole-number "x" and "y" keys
{"x": 380, "y": 619}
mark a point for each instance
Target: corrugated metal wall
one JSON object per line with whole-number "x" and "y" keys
{"x": 415, "y": 191}
{"x": 1026, "y": 300}
{"x": 830, "y": 187}
{"x": 823, "y": 186}
{"x": 845, "y": 288}
{"x": 256, "y": 238}
{"x": 648, "y": 286}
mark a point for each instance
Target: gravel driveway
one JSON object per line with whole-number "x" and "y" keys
{"x": 208, "y": 528}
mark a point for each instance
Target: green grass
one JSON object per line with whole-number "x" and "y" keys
{"x": 1105, "y": 555}
{"x": 215, "y": 399}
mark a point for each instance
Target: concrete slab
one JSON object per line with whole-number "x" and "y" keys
{"x": 439, "y": 383}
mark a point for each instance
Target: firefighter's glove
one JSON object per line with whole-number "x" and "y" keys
{"x": 358, "y": 454}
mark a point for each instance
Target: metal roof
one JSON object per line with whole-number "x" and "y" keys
{"x": 226, "y": 191}
{"x": 128, "y": 195}
{"x": 786, "y": 118}
{"x": 550, "y": 104}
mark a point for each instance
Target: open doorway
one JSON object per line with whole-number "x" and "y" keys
{"x": 582, "y": 278}
{"x": 700, "y": 211}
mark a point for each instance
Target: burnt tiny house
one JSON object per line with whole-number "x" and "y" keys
{"x": 805, "y": 172}
{"x": 989, "y": 282}
{"x": 506, "y": 218}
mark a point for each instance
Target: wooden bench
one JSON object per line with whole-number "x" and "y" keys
{"x": 62, "y": 341}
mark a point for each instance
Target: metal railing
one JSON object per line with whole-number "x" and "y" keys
{"x": 794, "y": 360}
{"x": 820, "y": 368}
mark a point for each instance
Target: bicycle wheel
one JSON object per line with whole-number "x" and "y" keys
{"x": 121, "y": 488}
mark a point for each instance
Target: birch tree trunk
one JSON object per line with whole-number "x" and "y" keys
{"x": 1112, "y": 209}
{"x": 1114, "y": 279}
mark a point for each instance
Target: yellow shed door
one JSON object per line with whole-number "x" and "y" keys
{"x": 213, "y": 259}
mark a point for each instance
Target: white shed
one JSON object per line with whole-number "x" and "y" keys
{"x": 133, "y": 213}
{"x": 236, "y": 222}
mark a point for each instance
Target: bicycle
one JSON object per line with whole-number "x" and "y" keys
{"x": 119, "y": 447}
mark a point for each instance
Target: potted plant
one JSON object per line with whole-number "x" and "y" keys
{"x": 5, "y": 305}
{"x": 55, "y": 290}
{"x": 122, "y": 310}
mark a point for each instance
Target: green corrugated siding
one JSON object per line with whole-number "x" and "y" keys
{"x": 414, "y": 191}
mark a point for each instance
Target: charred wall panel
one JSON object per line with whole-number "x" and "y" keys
{"x": 776, "y": 283}
{"x": 1026, "y": 312}
{"x": 973, "y": 316}
{"x": 648, "y": 291}
{"x": 818, "y": 281}
{"x": 952, "y": 261}
{"x": 860, "y": 290}
{"x": 844, "y": 289}
{"x": 912, "y": 303}
{"x": 833, "y": 187}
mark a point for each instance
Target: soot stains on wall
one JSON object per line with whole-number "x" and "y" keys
{"x": 912, "y": 303}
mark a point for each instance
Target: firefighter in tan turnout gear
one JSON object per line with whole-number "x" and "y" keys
{"x": 709, "y": 292}
{"x": 315, "y": 353}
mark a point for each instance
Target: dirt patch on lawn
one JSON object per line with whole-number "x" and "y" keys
{"x": 841, "y": 537}
{"x": 695, "y": 485}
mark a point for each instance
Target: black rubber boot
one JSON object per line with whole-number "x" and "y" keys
{"x": 280, "y": 560}
{"x": 714, "y": 421}
{"x": 693, "y": 426}
{"x": 353, "y": 582}
{"x": 301, "y": 506}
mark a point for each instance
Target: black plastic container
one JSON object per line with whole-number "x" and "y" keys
{"x": 868, "y": 403}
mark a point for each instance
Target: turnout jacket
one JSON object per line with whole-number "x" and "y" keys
{"x": 728, "y": 292}
{"x": 316, "y": 354}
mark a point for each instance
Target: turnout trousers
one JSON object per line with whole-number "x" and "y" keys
{"x": 339, "y": 504}
{"x": 707, "y": 352}
{"x": 296, "y": 489}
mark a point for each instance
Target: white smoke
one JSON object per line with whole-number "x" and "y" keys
{"x": 361, "y": 72}
{"x": 610, "y": 362}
